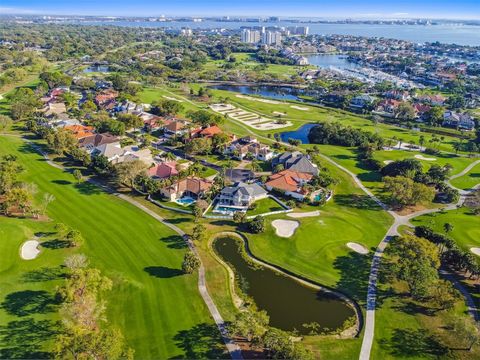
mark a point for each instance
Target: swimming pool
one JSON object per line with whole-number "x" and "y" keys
{"x": 185, "y": 201}
{"x": 226, "y": 209}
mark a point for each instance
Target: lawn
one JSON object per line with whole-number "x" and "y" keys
{"x": 468, "y": 180}
{"x": 158, "y": 309}
{"x": 264, "y": 206}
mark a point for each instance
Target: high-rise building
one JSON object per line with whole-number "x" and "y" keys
{"x": 298, "y": 30}
{"x": 250, "y": 36}
{"x": 272, "y": 38}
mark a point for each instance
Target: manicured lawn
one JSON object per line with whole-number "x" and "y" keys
{"x": 264, "y": 206}
{"x": 158, "y": 309}
{"x": 468, "y": 180}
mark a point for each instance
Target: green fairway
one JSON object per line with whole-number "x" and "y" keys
{"x": 158, "y": 309}
{"x": 265, "y": 206}
{"x": 469, "y": 180}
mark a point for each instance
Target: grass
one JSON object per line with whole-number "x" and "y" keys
{"x": 468, "y": 180}
{"x": 264, "y": 206}
{"x": 159, "y": 310}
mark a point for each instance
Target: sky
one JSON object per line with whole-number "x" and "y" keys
{"x": 451, "y": 9}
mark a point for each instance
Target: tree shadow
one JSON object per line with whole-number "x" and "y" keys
{"x": 87, "y": 188}
{"x": 44, "y": 233}
{"x": 413, "y": 343}
{"x": 356, "y": 201}
{"x": 163, "y": 271}
{"x": 203, "y": 341}
{"x": 23, "y": 339}
{"x": 179, "y": 220}
{"x": 27, "y": 302}
{"x": 354, "y": 273}
{"x": 412, "y": 308}
{"x": 44, "y": 274}
{"x": 62, "y": 182}
{"x": 174, "y": 242}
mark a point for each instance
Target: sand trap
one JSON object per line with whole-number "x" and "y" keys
{"x": 421, "y": 157}
{"x": 358, "y": 248}
{"x": 171, "y": 98}
{"x": 386, "y": 162}
{"x": 303, "y": 108}
{"x": 29, "y": 250}
{"x": 285, "y": 228}
{"x": 475, "y": 250}
{"x": 279, "y": 113}
{"x": 304, "y": 214}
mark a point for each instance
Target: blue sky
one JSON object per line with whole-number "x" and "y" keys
{"x": 466, "y": 9}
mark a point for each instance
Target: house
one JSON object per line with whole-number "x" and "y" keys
{"x": 241, "y": 195}
{"x": 210, "y": 131}
{"x": 295, "y": 161}
{"x": 361, "y": 102}
{"x": 106, "y": 98}
{"x": 459, "y": 121}
{"x": 89, "y": 143}
{"x": 55, "y": 110}
{"x": 80, "y": 131}
{"x": 289, "y": 182}
{"x": 191, "y": 186}
{"x": 240, "y": 148}
{"x": 163, "y": 170}
{"x": 401, "y": 95}
{"x": 435, "y": 100}
{"x": 132, "y": 153}
{"x": 175, "y": 128}
{"x": 112, "y": 151}
{"x": 387, "y": 107}
{"x": 421, "y": 109}
{"x": 239, "y": 175}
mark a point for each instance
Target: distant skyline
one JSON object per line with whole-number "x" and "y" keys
{"x": 446, "y": 9}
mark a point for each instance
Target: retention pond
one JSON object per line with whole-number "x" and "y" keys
{"x": 289, "y": 303}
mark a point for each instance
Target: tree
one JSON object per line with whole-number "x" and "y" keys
{"x": 404, "y": 191}
{"x": 465, "y": 331}
{"x": 166, "y": 107}
{"x": 18, "y": 198}
{"x": 76, "y": 261}
{"x": 198, "y": 232}
{"x": 47, "y": 199}
{"x": 77, "y": 174}
{"x": 5, "y": 122}
{"x": 9, "y": 172}
{"x": 197, "y": 213}
{"x": 61, "y": 141}
{"x": 130, "y": 121}
{"x": 250, "y": 324}
{"x": 205, "y": 118}
{"x": 415, "y": 261}
{"x": 101, "y": 165}
{"x": 127, "y": 172}
{"x": 199, "y": 146}
{"x": 190, "y": 263}
{"x": 405, "y": 111}
{"x": 448, "y": 228}
{"x": 257, "y": 225}
{"x": 239, "y": 217}
{"x": 435, "y": 115}
{"x": 74, "y": 238}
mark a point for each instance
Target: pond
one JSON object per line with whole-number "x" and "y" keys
{"x": 300, "y": 134}
{"x": 288, "y": 303}
{"x": 97, "y": 68}
{"x": 331, "y": 61}
{"x": 274, "y": 92}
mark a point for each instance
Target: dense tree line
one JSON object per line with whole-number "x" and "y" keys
{"x": 336, "y": 134}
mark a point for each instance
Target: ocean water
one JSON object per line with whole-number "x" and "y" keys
{"x": 444, "y": 33}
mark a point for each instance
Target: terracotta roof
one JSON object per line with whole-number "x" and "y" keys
{"x": 80, "y": 131}
{"x": 288, "y": 180}
{"x": 191, "y": 184}
{"x": 164, "y": 170}
{"x": 175, "y": 126}
{"x": 210, "y": 131}
{"x": 97, "y": 140}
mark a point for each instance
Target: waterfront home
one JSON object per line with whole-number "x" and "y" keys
{"x": 163, "y": 170}
{"x": 241, "y": 195}
{"x": 289, "y": 182}
{"x": 295, "y": 161}
{"x": 459, "y": 121}
{"x": 191, "y": 186}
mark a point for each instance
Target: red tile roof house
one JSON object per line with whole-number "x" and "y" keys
{"x": 290, "y": 183}
{"x": 191, "y": 186}
{"x": 91, "y": 142}
{"x": 387, "y": 107}
{"x": 163, "y": 170}
{"x": 106, "y": 97}
{"x": 175, "y": 128}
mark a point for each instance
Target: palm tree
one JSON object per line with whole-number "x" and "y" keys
{"x": 254, "y": 165}
{"x": 400, "y": 141}
{"x": 421, "y": 141}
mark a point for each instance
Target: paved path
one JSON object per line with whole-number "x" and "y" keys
{"x": 471, "y": 307}
{"x": 232, "y": 348}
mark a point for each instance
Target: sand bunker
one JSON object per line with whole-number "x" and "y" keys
{"x": 285, "y": 228}
{"x": 386, "y": 162}
{"x": 421, "y": 157}
{"x": 29, "y": 250}
{"x": 304, "y": 214}
{"x": 279, "y": 113}
{"x": 358, "y": 248}
{"x": 475, "y": 250}
{"x": 303, "y": 108}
